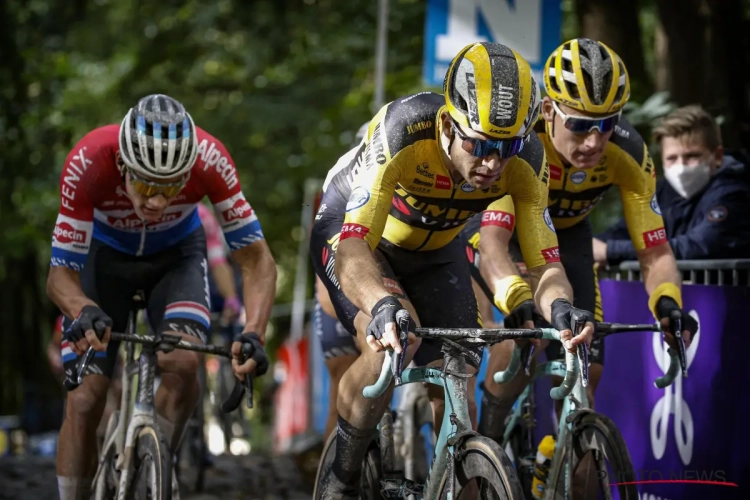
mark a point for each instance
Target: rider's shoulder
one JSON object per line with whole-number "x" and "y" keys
{"x": 533, "y": 154}
{"x": 101, "y": 138}
{"x": 408, "y": 120}
{"x": 628, "y": 141}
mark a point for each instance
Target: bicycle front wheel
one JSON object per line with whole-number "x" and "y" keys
{"x": 598, "y": 460}
{"x": 152, "y": 471}
{"x": 484, "y": 471}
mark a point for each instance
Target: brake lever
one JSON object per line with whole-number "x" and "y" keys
{"x": 583, "y": 353}
{"x": 397, "y": 362}
{"x": 526, "y": 357}
{"x": 676, "y": 320}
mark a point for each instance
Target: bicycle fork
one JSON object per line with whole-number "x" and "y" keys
{"x": 143, "y": 415}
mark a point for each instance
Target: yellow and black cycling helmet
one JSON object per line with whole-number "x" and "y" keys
{"x": 489, "y": 88}
{"x": 587, "y": 75}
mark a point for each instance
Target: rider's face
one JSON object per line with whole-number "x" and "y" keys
{"x": 582, "y": 150}
{"x": 148, "y": 208}
{"x": 480, "y": 172}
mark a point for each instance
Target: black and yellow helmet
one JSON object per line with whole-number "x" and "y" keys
{"x": 587, "y": 75}
{"x": 489, "y": 88}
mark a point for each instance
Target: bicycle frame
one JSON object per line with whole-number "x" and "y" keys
{"x": 571, "y": 391}
{"x": 455, "y": 419}
{"x": 142, "y": 412}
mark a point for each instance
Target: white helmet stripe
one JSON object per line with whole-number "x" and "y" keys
{"x": 140, "y": 123}
{"x": 172, "y": 143}
{"x": 128, "y": 138}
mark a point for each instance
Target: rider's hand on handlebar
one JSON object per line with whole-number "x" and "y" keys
{"x": 564, "y": 315}
{"x": 90, "y": 328}
{"x": 249, "y": 348}
{"x": 664, "y": 309}
{"x": 522, "y": 317}
{"x": 382, "y": 332}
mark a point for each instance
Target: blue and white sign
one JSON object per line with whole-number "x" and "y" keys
{"x": 530, "y": 27}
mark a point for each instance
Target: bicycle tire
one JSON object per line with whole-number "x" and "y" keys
{"x": 107, "y": 479}
{"x": 484, "y": 459}
{"x": 151, "y": 455}
{"x": 609, "y": 441}
{"x": 525, "y": 472}
{"x": 371, "y": 469}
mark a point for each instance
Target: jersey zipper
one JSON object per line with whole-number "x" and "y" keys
{"x": 445, "y": 217}
{"x": 143, "y": 239}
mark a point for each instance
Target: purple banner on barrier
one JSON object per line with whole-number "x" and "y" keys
{"x": 696, "y": 429}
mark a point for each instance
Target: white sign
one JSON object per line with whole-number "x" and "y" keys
{"x": 530, "y": 27}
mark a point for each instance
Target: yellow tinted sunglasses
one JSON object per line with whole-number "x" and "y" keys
{"x": 151, "y": 188}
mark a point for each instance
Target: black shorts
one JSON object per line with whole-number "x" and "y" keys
{"x": 174, "y": 282}
{"x": 334, "y": 340}
{"x": 437, "y": 282}
{"x": 576, "y": 256}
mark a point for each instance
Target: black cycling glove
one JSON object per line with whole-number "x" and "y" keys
{"x": 665, "y": 308}
{"x": 90, "y": 318}
{"x": 525, "y": 311}
{"x": 564, "y": 315}
{"x": 383, "y": 313}
{"x": 253, "y": 349}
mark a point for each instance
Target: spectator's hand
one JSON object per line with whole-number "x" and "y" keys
{"x": 600, "y": 252}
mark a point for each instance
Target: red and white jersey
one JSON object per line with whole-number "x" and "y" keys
{"x": 94, "y": 204}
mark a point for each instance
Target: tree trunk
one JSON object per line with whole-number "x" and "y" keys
{"x": 685, "y": 26}
{"x": 615, "y": 23}
{"x": 729, "y": 62}
{"x": 25, "y": 377}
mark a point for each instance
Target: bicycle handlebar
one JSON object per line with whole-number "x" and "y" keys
{"x": 167, "y": 342}
{"x": 572, "y": 367}
{"x": 393, "y": 365}
{"x": 602, "y": 330}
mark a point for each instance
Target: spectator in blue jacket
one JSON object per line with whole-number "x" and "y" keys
{"x": 704, "y": 199}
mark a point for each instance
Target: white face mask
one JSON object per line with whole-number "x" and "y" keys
{"x": 688, "y": 180}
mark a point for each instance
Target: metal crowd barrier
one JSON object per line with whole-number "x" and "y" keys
{"x": 729, "y": 272}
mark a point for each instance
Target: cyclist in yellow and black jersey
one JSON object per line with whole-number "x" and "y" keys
{"x": 590, "y": 148}
{"x": 384, "y": 239}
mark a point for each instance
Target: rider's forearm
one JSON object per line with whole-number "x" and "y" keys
{"x": 258, "y": 285}
{"x": 359, "y": 274}
{"x": 64, "y": 289}
{"x": 224, "y": 277}
{"x": 549, "y": 283}
{"x": 660, "y": 274}
{"x": 499, "y": 270}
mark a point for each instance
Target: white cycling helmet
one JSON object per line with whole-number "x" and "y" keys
{"x": 157, "y": 138}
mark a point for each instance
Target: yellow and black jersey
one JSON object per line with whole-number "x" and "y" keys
{"x": 397, "y": 187}
{"x": 626, "y": 163}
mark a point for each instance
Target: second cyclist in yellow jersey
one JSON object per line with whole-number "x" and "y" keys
{"x": 589, "y": 148}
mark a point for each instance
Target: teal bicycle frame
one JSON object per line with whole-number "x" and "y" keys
{"x": 456, "y": 403}
{"x": 572, "y": 391}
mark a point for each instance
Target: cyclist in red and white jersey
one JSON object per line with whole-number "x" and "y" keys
{"x": 128, "y": 222}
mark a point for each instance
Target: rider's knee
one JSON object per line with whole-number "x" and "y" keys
{"x": 183, "y": 364}
{"x": 88, "y": 400}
